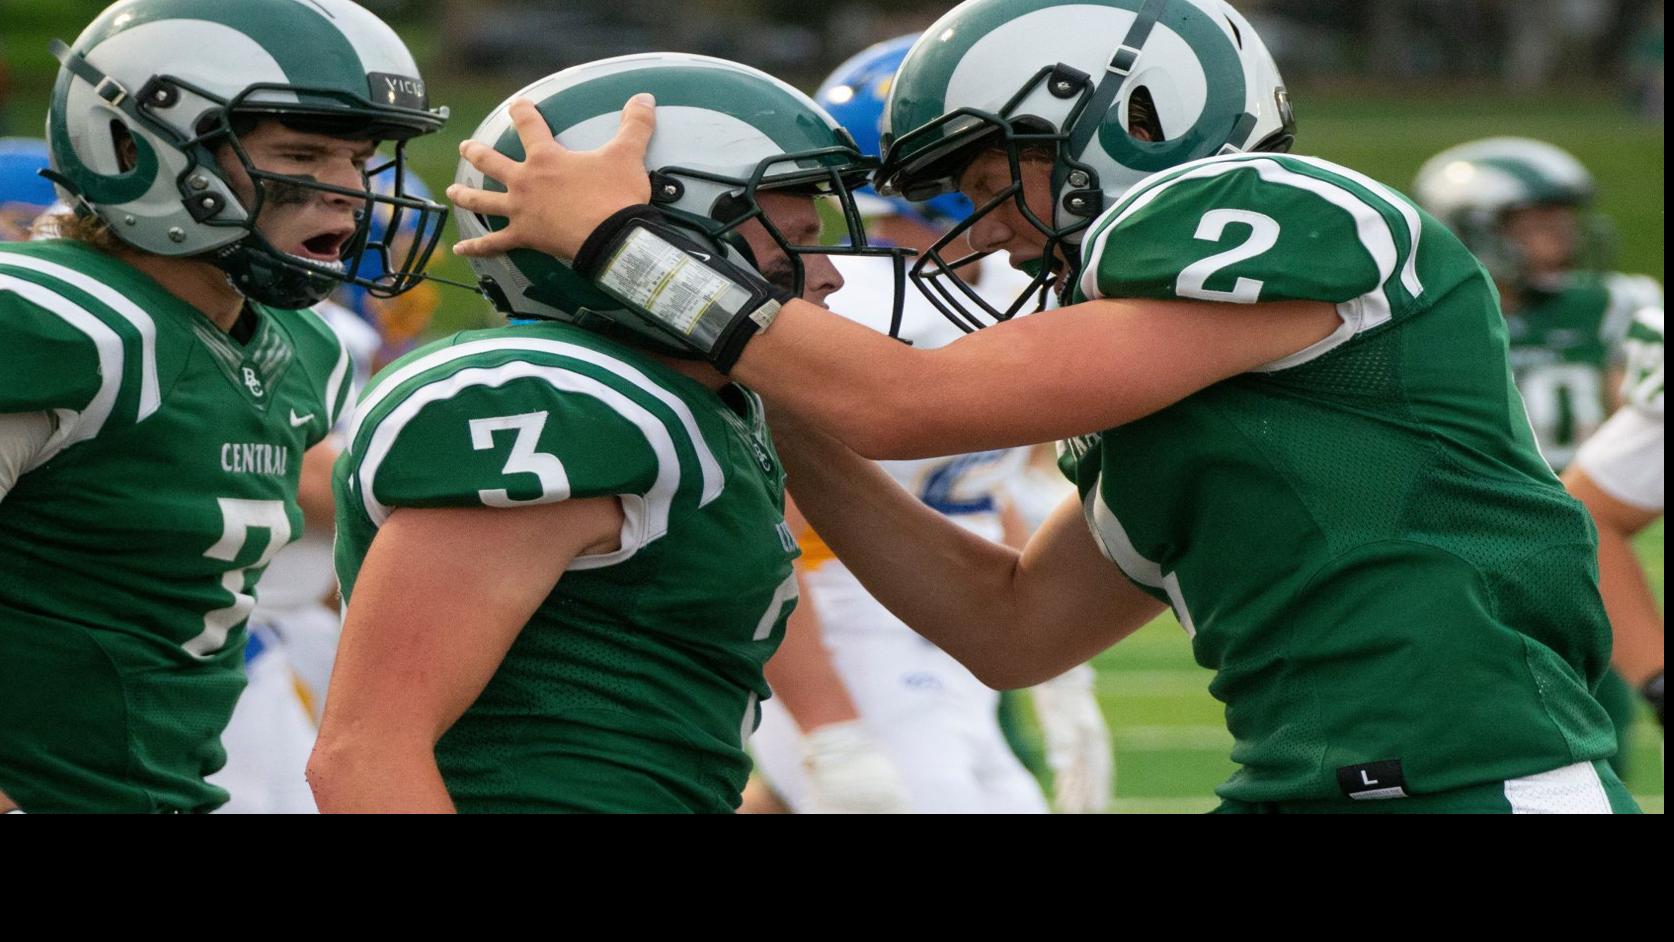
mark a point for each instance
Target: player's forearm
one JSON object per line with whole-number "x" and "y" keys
{"x": 801, "y": 673}
{"x": 847, "y": 379}
{"x": 369, "y": 773}
{"x": 886, "y": 400}
{"x": 1087, "y": 367}
{"x": 313, "y": 493}
{"x": 1635, "y": 623}
{"x": 948, "y": 584}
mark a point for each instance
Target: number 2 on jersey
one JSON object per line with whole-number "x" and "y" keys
{"x": 1264, "y": 234}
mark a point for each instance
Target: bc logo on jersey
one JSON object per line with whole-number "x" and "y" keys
{"x": 253, "y": 383}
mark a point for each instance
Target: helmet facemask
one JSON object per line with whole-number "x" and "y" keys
{"x": 831, "y": 174}
{"x": 967, "y": 132}
{"x": 1091, "y": 86}
{"x": 269, "y": 275}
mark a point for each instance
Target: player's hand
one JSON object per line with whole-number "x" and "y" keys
{"x": 849, "y": 774}
{"x": 556, "y": 197}
{"x": 1077, "y": 742}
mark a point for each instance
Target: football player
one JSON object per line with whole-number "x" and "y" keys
{"x": 1618, "y": 474}
{"x": 1524, "y": 208}
{"x": 563, "y": 552}
{"x": 24, "y": 193}
{"x": 1281, "y": 386}
{"x": 159, "y": 383}
{"x": 937, "y": 723}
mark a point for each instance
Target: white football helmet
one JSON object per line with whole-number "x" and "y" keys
{"x": 725, "y": 132}
{"x": 1472, "y": 186}
{"x": 172, "y": 79}
{"x": 1071, "y": 77}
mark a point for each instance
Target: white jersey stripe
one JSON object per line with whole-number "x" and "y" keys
{"x": 713, "y": 481}
{"x": 645, "y": 520}
{"x": 1409, "y": 269}
{"x": 1573, "y": 789}
{"x": 1370, "y": 225}
{"x": 334, "y": 383}
{"x": 1118, "y": 547}
{"x": 76, "y": 427}
{"x": 150, "y": 399}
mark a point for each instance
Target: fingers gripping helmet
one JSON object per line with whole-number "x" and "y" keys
{"x": 1066, "y": 79}
{"x": 151, "y": 90}
{"x": 725, "y": 133}
{"x": 855, "y": 94}
{"x": 1471, "y": 188}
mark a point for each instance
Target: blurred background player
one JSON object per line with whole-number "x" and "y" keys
{"x": 936, "y": 722}
{"x": 1618, "y": 474}
{"x": 1524, "y": 208}
{"x": 294, "y": 629}
{"x": 24, "y": 193}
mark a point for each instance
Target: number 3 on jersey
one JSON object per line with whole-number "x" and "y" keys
{"x": 1264, "y": 234}
{"x": 524, "y": 459}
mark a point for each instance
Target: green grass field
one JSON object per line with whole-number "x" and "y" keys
{"x": 1171, "y": 744}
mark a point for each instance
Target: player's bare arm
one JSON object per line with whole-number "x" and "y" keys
{"x": 800, "y": 672}
{"x": 1636, "y": 625}
{"x": 1114, "y": 361}
{"x": 1014, "y": 618}
{"x": 440, "y": 599}
{"x": 314, "y": 485}
{"x": 1111, "y": 362}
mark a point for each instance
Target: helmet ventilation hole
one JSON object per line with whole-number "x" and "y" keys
{"x": 122, "y": 145}
{"x": 1143, "y": 123}
{"x": 1237, "y": 36}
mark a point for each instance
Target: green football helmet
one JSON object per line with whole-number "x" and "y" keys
{"x": 1473, "y": 186}
{"x": 725, "y": 132}
{"x": 174, "y": 77}
{"x": 1066, "y": 78}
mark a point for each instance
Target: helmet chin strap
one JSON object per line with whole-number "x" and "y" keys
{"x": 1115, "y": 76}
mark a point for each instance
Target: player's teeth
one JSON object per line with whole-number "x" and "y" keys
{"x": 335, "y": 264}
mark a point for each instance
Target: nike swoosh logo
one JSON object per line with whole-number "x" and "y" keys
{"x": 701, "y": 256}
{"x": 299, "y": 420}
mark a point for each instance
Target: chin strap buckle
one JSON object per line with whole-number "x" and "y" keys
{"x": 1122, "y": 62}
{"x": 110, "y": 90}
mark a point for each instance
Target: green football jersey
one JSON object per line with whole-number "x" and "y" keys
{"x": 636, "y": 682}
{"x": 1564, "y": 343}
{"x": 1361, "y": 538}
{"x": 130, "y": 550}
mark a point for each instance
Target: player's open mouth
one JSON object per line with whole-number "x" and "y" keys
{"x": 325, "y": 248}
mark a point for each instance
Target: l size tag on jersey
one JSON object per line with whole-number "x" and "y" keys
{"x": 1373, "y": 780}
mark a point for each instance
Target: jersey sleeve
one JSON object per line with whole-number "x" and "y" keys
{"x": 473, "y": 440}
{"x": 1625, "y": 297}
{"x": 50, "y": 351}
{"x": 1255, "y": 228}
{"x": 1643, "y": 382}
